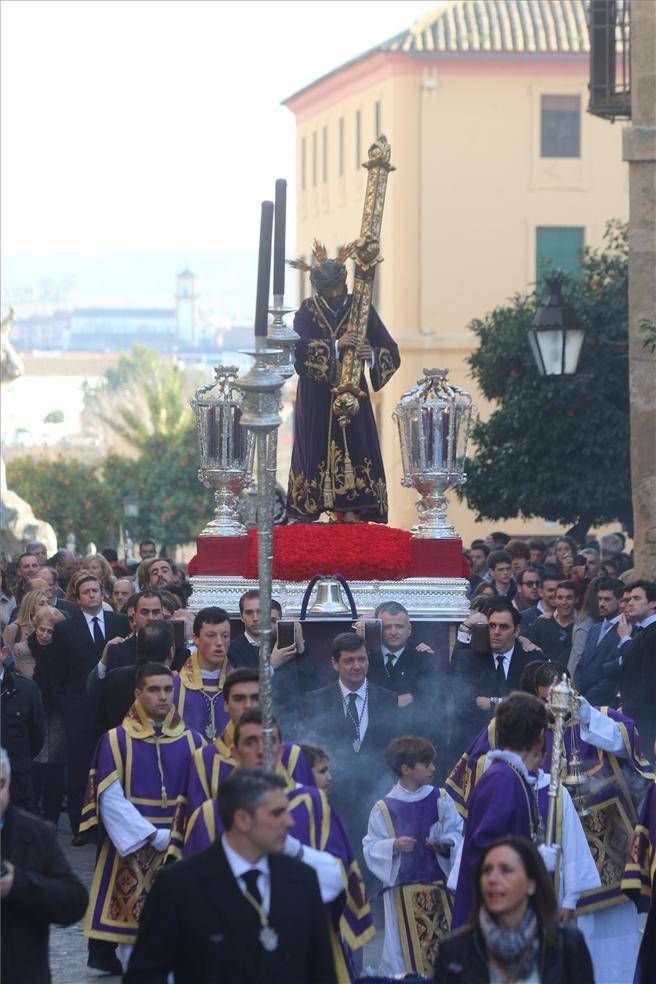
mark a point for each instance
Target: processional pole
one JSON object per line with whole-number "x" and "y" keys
{"x": 261, "y": 388}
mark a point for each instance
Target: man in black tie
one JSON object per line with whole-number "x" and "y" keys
{"x": 77, "y": 646}
{"x": 481, "y": 680}
{"x": 240, "y": 912}
{"x": 293, "y": 669}
{"x": 411, "y": 672}
{"x": 352, "y": 719}
{"x": 637, "y": 658}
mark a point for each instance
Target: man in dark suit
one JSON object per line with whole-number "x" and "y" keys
{"x": 240, "y": 912}
{"x": 478, "y": 678}
{"x": 411, "y": 672}
{"x": 545, "y": 606}
{"x": 77, "y": 645}
{"x": 294, "y": 673}
{"x": 637, "y": 657}
{"x": 154, "y": 643}
{"x": 590, "y": 678}
{"x": 353, "y": 719}
{"x": 37, "y": 887}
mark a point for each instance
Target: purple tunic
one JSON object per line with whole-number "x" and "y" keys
{"x": 318, "y": 439}
{"x": 201, "y": 706}
{"x": 611, "y": 812}
{"x": 316, "y": 825}
{"x": 639, "y": 883}
{"x": 415, "y": 820}
{"x": 132, "y": 755}
{"x": 502, "y": 803}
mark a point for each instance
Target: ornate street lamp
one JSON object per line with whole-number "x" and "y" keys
{"x": 556, "y": 336}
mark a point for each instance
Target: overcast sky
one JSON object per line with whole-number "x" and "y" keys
{"x": 156, "y": 124}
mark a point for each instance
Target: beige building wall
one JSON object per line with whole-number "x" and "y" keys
{"x": 462, "y": 208}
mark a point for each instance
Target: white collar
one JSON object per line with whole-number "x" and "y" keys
{"x": 210, "y": 674}
{"x": 397, "y": 655}
{"x": 507, "y": 655}
{"x": 399, "y": 792}
{"x": 512, "y": 758}
{"x": 99, "y": 615}
{"x": 361, "y": 693}
{"x": 611, "y": 621}
{"x": 647, "y": 621}
{"x": 249, "y": 638}
{"x": 238, "y": 864}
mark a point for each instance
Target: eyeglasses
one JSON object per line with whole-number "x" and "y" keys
{"x": 531, "y": 584}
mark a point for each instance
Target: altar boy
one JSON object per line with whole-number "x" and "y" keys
{"x": 412, "y": 839}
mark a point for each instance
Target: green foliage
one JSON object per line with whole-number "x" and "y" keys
{"x": 648, "y": 329}
{"x": 54, "y": 417}
{"x": 557, "y": 447}
{"x": 68, "y": 494}
{"x": 173, "y": 505}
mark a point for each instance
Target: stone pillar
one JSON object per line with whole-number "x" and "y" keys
{"x": 639, "y": 150}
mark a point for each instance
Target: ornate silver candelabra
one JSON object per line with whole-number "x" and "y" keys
{"x": 261, "y": 388}
{"x": 433, "y": 420}
{"x": 226, "y": 449}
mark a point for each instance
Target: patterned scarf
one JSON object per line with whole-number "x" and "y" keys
{"x": 516, "y": 949}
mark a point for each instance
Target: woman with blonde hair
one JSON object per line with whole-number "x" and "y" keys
{"x": 100, "y": 567}
{"x": 48, "y": 768}
{"x": 23, "y": 625}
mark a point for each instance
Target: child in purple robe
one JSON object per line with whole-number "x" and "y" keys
{"x": 412, "y": 838}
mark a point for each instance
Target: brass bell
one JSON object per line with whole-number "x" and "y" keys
{"x": 577, "y": 784}
{"x": 329, "y": 599}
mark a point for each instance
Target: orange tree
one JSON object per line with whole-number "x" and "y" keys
{"x": 69, "y": 495}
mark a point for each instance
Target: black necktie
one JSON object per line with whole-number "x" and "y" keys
{"x": 98, "y": 636}
{"x": 353, "y": 714}
{"x": 636, "y": 630}
{"x": 389, "y": 663}
{"x": 500, "y": 675}
{"x": 250, "y": 877}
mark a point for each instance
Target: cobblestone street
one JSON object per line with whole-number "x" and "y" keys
{"x": 68, "y": 947}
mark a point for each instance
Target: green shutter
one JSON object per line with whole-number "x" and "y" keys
{"x": 558, "y": 248}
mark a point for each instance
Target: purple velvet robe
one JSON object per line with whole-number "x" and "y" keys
{"x": 611, "y": 813}
{"x": 129, "y": 754}
{"x": 639, "y": 883}
{"x": 502, "y": 803}
{"x": 316, "y": 825}
{"x": 415, "y": 820}
{"x": 201, "y": 706}
{"x": 318, "y": 438}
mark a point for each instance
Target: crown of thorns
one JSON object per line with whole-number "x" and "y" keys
{"x": 320, "y": 254}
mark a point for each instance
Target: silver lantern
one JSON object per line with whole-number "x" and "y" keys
{"x": 433, "y": 420}
{"x": 226, "y": 449}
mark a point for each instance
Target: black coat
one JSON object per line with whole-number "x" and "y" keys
{"x": 67, "y": 608}
{"x": 116, "y": 697}
{"x": 462, "y": 959}
{"x": 638, "y": 686}
{"x": 45, "y": 891}
{"x": 419, "y": 674}
{"x": 74, "y": 656}
{"x": 197, "y": 923}
{"x": 243, "y": 653}
{"x": 327, "y": 725}
{"x": 22, "y": 731}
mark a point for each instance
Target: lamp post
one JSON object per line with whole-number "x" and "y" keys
{"x": 556, "y": 336}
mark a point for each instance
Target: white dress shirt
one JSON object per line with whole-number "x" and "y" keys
{"x": 507, "y": 656}
{"x": 396, "y": 656}
{"x": 361, "y": 703}
{"x": 646, "y": 622}
{"x": 101, "y": 622}
{"x": 239, "y": 865}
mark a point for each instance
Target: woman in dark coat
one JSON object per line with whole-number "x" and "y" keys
{"x": 513, "y": 935}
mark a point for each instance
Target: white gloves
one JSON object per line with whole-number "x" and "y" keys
{"x": 584, "y": 710}
{"x": 161, "y": 840}
{"x": 549, "y": 855}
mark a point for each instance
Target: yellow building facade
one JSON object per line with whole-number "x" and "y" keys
{"x": 499, "y": 168}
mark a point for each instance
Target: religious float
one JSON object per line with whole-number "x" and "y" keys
{"x": 310, "y": 564}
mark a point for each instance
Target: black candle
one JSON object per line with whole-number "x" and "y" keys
{"x": 279, "y": 238}
{"x": 263, "y": 271}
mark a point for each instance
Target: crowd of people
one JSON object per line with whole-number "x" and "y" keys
{"x": 410, "y": 786}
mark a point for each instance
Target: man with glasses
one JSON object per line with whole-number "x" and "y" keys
{"x": 528, "y": 584}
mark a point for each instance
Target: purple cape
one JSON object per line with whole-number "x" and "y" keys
{"x": 318, "y": 466}
{"x": 201, "y": 706}
{"x": 639, "y": 883}
{"x": 129, "y": 754}
{"x": 502, "y": 803}
{"x": 611, "y": 812}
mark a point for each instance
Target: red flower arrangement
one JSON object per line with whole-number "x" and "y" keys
{"x": 357, "y": 551}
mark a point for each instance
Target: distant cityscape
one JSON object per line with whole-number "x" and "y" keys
{"x": 109, "y": 303}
